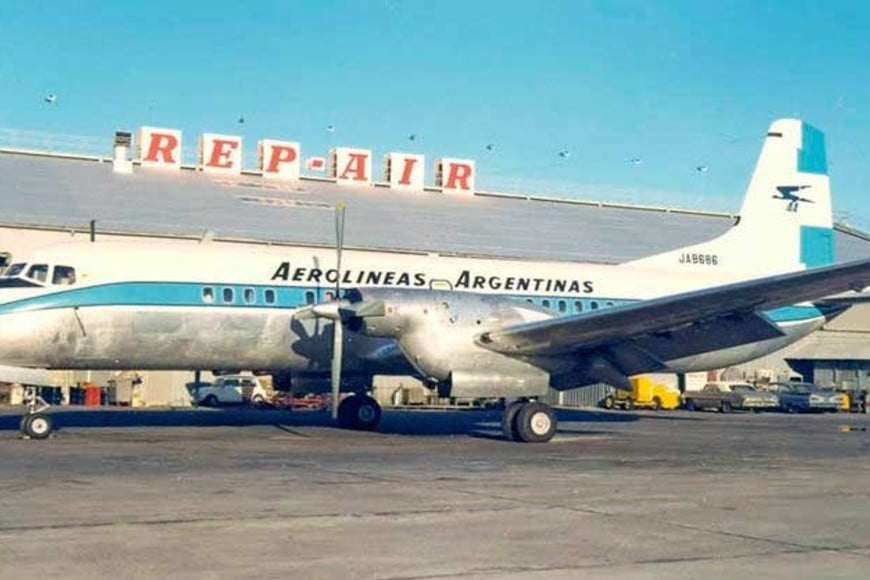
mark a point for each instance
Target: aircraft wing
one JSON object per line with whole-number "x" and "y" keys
{"x": 681, "y": 324}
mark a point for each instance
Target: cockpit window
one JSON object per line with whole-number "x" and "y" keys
{"x": 64, "y": 275}
{"x": 38, "y": 272}
{"x": 15, "y": 269}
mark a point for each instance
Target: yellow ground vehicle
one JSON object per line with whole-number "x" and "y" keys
{"x": 645, "y": 394}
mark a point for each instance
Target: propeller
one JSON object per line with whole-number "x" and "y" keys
{"x": 337, "y": 322}
{"x": 341, "y": 311}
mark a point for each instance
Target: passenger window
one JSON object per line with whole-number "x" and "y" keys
{"x": 593, "y": 305}
{"x": 578, "y": 306}
{"x": 530, "y": 301}
{"x": 228, "y": 295}
{"x": 563, "y": 307}
{"x": 38, "y": 272}
{"x": 609, "y": 303}
{"x": 208, "y": 295}
{"x": 249, "y": 295}
{"x": 309, "y": 297}
{"x": 545, "y": 303}
{"x": 269, "y": 296}
{"x": 63, "y": 275}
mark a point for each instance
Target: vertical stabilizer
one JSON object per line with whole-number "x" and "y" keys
{"x": 785, "y": 222}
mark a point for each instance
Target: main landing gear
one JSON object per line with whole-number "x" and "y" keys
{"x": 35, "y": 424}
{"x": 359, "y": 412}
{"x": 528, "y": 422}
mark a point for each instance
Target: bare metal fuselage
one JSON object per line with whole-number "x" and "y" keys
{"x": 191, "y": 338}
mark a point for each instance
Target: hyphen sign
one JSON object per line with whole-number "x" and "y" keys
{"x": 222, "y": 154}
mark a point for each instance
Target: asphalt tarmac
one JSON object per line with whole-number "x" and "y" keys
{"x": 273, "y": 494}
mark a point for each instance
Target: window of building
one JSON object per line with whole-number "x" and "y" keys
{"x": 208, "y": 295}
{"x": 249, "y": 296}
{"x": 63, "y": 275}
{"x": 269, "y": 296}
{"x": 228, "y": 295}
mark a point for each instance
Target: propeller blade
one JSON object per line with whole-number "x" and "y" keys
{"x": 337, "y": 353}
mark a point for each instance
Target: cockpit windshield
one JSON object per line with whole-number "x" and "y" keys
{"x": 39, "y": 274}
{"x": 14, "y": 270}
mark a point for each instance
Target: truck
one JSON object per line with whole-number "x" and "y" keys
{"x": 644, "y": 394}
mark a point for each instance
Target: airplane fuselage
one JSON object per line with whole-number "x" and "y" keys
{"x": 138, "y": 307}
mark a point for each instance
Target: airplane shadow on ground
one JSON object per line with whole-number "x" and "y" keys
{"x": 472, "y": 422}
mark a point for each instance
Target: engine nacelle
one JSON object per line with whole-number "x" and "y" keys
{"x": 436, "y": 331}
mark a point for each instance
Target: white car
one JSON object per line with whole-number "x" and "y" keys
{"x": 231, "y": 390}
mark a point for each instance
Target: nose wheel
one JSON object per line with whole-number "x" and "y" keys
{"x": 36, "y": 424}
{"x": 529, "y": 422}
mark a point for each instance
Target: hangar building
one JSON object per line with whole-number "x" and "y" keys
{"x": 49, "y": 196}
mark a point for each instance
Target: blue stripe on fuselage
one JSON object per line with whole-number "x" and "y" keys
{"x": 169, "y": 294}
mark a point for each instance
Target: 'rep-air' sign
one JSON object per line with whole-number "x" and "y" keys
{"x": 276, "y": 159}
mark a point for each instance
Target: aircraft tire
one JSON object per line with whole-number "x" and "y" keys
{"x": 360, "y": 412}
{"x": 509, "y": 420}
{"x": 536, "y": 423}
{"x": 37, "y": 426}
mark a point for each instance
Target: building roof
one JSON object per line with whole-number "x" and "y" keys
{"x": 64, "y": 191}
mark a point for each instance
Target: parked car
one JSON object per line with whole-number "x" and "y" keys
{"x": 805, "y": 397}
{"x": 729, "y": 396}
{"x": 231, "y": 390}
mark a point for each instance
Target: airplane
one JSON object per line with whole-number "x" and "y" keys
{"x": 468, "y": 327}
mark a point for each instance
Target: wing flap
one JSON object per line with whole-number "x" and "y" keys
{"x": 740, "y": 303}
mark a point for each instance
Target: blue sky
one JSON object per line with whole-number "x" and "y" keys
{"x": 675, "y": 84}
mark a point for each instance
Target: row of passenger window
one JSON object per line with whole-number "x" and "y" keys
{"x": 229, "y": 295}
{"x": 269, "y": 297}
{"x": 563, "y": 305}
{"x": 246, "y": 296}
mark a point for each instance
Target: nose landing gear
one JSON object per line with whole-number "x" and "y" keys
{"x": 35, "y": 424}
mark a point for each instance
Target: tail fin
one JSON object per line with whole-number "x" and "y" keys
{"x": 785, "y": 223}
